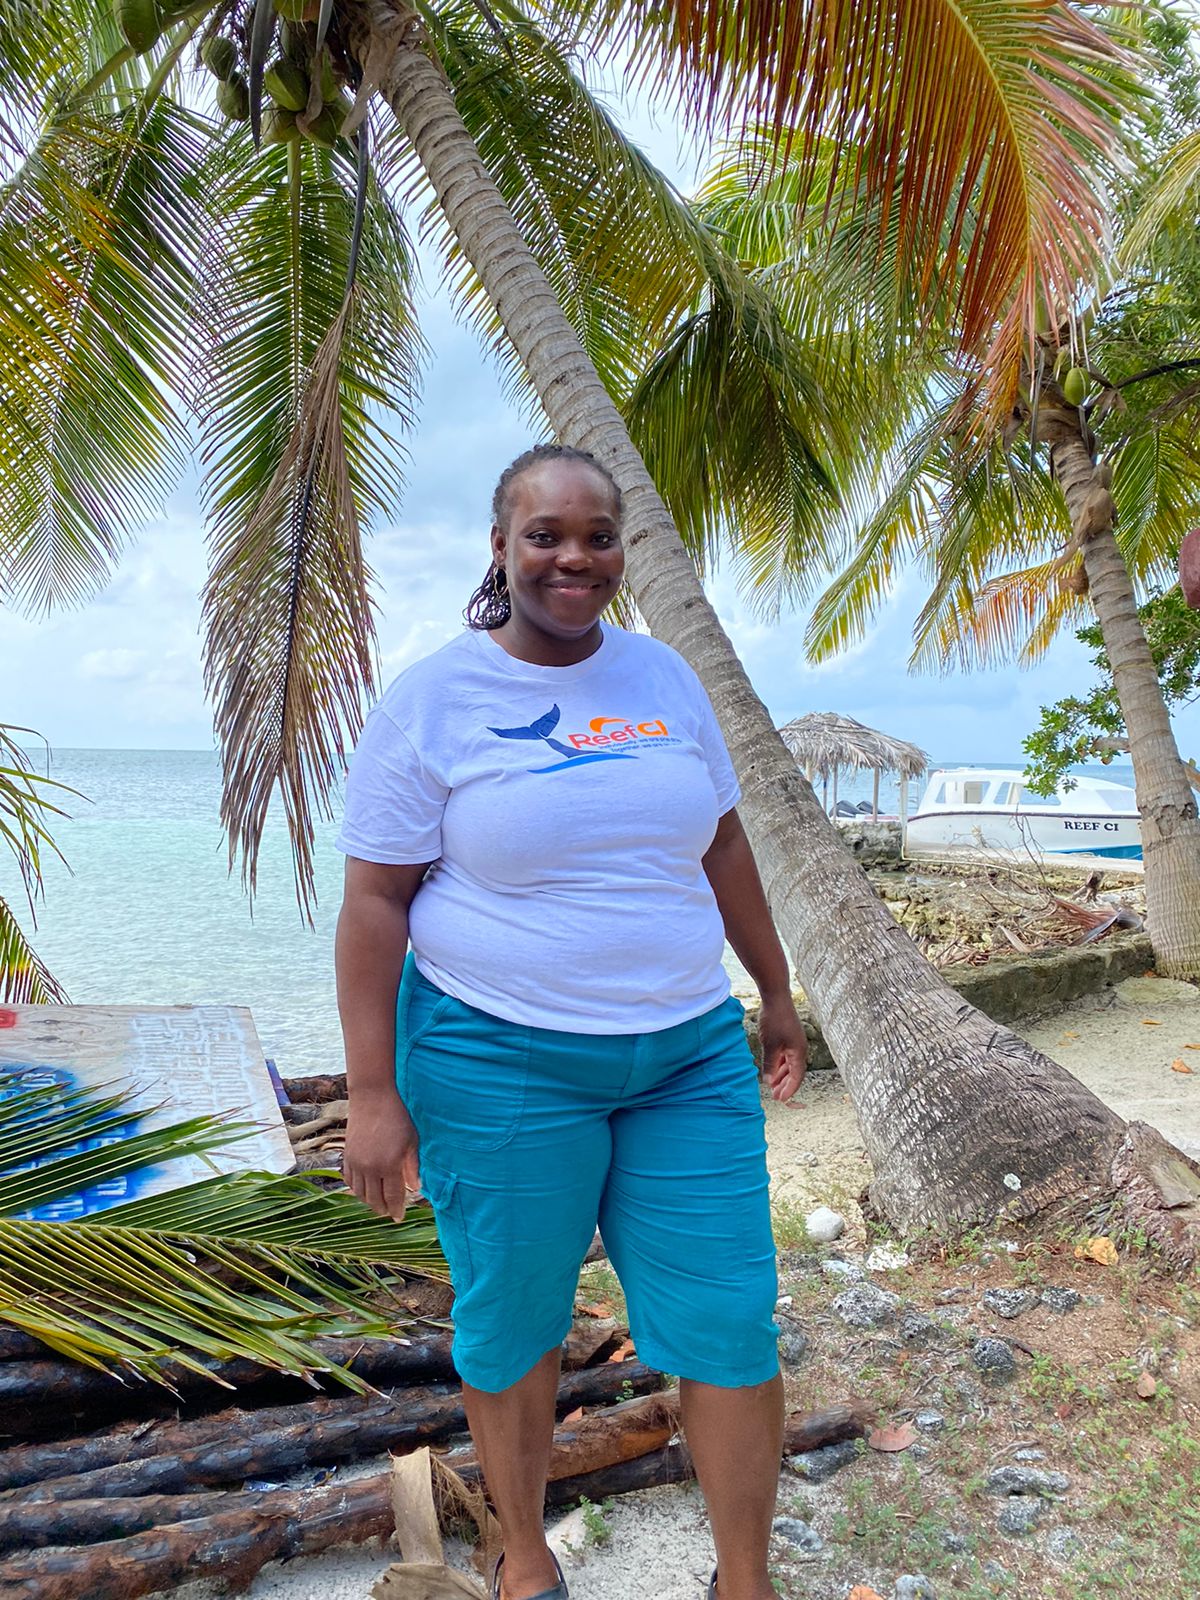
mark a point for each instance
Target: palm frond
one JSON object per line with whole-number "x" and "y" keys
{"x": 1176, "y": 193}
{"x": 98, "y": 232}
{"x": 622, "y": 251}
{"x": 245, "y": 1264}
{"x": 27, "y": 805}
{"x": 738, "y": 436}
{"x": 24, "y": 977}
{"x": 297, "y": 457}
{"x": 1011, "y": 161}
{"x": 1014, "y": 616}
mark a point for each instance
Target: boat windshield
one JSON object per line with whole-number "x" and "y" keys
{"x": 1025, "y": 797}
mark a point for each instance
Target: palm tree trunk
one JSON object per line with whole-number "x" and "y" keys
{"x": 952, "y": 1106}
{"x": 1166, "y": 801}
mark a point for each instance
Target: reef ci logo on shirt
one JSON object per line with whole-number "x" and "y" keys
{"x": 582, "y": 748}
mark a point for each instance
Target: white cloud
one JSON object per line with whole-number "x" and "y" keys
{"x": 119, "y": 664}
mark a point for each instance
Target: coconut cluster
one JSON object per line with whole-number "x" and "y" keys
{"x": 304, "y": 89}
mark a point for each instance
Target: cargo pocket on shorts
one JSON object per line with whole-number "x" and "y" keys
{"x": 445, "y": 1196}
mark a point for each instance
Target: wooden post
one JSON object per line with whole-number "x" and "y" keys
{"x": 875, "y": 798}
{"x": 904, "y": 816}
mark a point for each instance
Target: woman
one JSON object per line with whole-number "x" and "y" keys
{"x": 544, "y": 809}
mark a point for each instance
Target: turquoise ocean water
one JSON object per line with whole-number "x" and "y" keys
{"x": 148, "y": 913}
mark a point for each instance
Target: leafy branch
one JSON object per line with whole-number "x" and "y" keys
{"x": 1090, "y": 727}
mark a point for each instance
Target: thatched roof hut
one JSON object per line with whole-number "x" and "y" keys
{"x": 826, "y": 744}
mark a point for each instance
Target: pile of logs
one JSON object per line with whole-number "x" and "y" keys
{"x": 171, "y": 1489}
{"x": 113, "y": 1487}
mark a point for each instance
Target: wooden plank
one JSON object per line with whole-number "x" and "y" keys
{"x": 178, "y": 1061}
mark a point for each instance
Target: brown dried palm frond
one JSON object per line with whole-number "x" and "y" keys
{"x": 289, "y": 627}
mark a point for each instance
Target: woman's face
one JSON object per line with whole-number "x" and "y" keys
{"x": 561, "y": 551}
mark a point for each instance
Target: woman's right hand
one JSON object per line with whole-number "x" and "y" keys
{"x": 380, "y": 1162}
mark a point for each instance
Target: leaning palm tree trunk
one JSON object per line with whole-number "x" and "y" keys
{"x": 1166, "y": 801}
{"x": 950, "y": 1104}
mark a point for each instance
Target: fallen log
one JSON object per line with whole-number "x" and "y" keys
{"x": 598, "y": 1440}
{"x": 387, "y": 1364}
{"x": 672, "y": 1462}
{"x": 50, "y": 1399}
{"x": 18, "y": 1346}
{"x": 319, "y": 1434}
{"x": 317, "y": 1090}
{"x": 236, "y": 1544}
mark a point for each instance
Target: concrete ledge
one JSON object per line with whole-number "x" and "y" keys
{"x": 1012, "y": 989}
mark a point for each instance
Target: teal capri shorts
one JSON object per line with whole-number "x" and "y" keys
{"x": 531, "y": 1137}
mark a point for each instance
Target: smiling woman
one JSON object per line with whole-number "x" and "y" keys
{"x": 545, "y": 808}
{"x": 557, "y": 559}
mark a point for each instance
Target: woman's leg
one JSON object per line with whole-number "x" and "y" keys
{"x": 686, "y": 1219}
{"x": 513, "y": 1431}
{"x": 515, "y": 1147}
{"x": 736, "y": 1440}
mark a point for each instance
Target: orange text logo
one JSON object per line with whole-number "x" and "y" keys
{"x": 618, "y": 732}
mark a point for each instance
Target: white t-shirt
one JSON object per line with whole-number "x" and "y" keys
{"x": 566, "y": 811}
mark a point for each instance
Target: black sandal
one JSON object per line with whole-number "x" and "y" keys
{"x": 712, "y": 1586}
{"x": 559, "y": 1592}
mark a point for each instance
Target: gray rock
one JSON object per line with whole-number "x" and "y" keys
{"x": 929, "y": 1421}
{"x": 994, "y": 1572}
{"x": 994, "y": 1359}
{"x": 815, "y": 1466}
{"x": 799, "y": 1261}
{"x": 1029, "y": 1454}
{"x": 867, "y": 1306}
{"x": 801, "y": 1536}
{"x": 918, "y": 1452}
{"x": 967, "y": 1393}
{"x": 848, "y": 1271}
{"x": 1025, "y": 1481}
{"x": 953, "y": 1542}
{"x": 823, "y": 1226}
{"x": 1063, "y": 1544}
{"x": 1009, "y": 1303}
{"x": 916, "y": 1328}
{"x": 945, "y": 1296}
{"x": 914, "y": 1586}
{"x": 794, "y": 1344}
{"x": 950, "y": 1315}
{"x": 1020, "y": 1516}
{"x": 1061, "y": 1300}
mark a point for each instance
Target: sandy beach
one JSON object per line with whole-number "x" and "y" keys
{"x": 1122, "y": 1043}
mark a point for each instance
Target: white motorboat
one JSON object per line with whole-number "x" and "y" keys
{"x": 974, "y": 810}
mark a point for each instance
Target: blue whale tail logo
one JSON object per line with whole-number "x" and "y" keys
{"x": 542, "y": 728}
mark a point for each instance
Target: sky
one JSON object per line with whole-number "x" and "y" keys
{"x": 124, "y": 670}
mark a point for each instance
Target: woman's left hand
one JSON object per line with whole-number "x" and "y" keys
{"x": 784, "y": 1046}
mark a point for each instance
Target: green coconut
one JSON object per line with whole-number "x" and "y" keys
{"x": 287, "y": 85}
{"x": 1074, "y": 386}
{"x": 325, "y": 128}
{"x": 279, "y": 126}
{"x": 233, "y": 99}
{"x": 140, "y": 22}
{"x": 220, "y": 56}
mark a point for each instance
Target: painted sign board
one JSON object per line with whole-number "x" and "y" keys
{"x": 177, "y": 1061}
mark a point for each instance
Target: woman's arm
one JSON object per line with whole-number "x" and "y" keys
{"x": 730, "y": 868}
{"x": 380, "y": 1162}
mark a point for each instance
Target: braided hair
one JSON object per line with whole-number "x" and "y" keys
{"x": 490, "y": 607}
